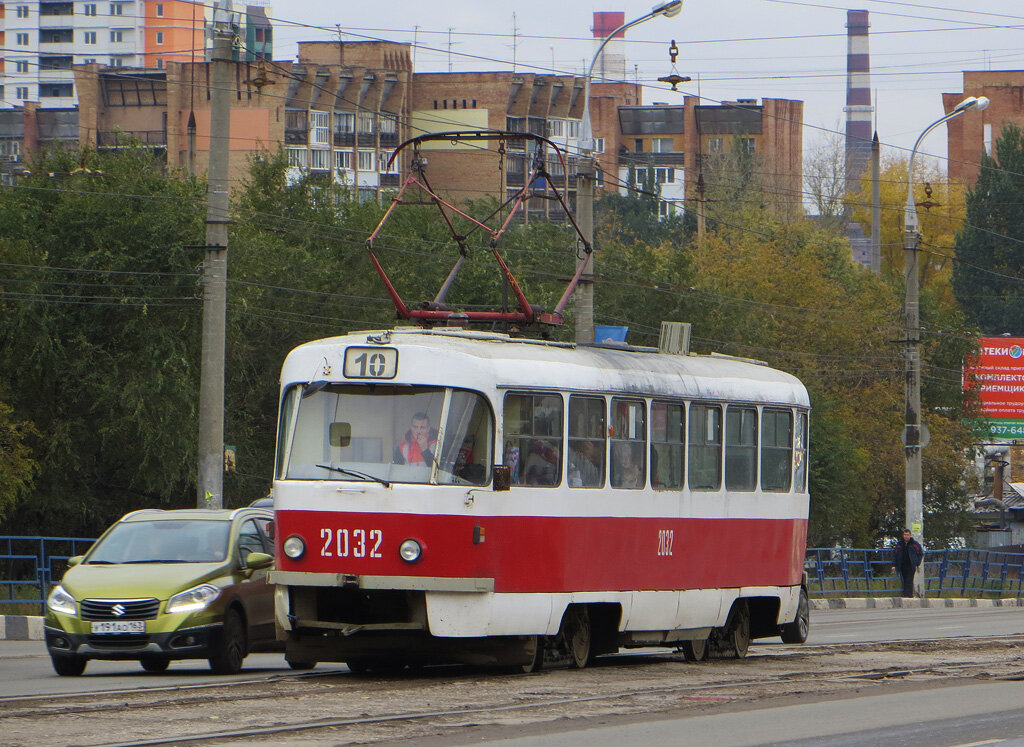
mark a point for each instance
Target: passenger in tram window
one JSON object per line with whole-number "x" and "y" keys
{"x": 417, "y": 446}
{"x": 541, "y": 464}
{"x": 627, "y": 466}
{"x": 585, "y": 464}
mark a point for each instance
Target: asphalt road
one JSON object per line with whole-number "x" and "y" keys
{"x": 25, "y": 666}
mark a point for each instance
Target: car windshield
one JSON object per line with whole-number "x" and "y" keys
{"x": 164, "y": 541}
{"x": 368, "y": 433}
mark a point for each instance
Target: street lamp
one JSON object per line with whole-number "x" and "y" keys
{"x": 915, "y": 436}
{"x": 585, "y": 175}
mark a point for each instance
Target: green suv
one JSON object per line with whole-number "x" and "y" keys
{"x": 165, "y": 585}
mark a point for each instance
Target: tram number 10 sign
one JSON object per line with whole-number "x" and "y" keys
{"x": 371, "y": 363}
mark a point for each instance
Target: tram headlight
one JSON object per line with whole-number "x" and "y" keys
{"x": 294, "y": 547}
{"x": 410, "y": 550}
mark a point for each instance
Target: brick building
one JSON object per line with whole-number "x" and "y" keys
{"x": 970, "y": 134}
{"x": 680, "y": 142}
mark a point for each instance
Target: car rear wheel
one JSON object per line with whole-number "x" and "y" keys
{"x": 69, "y": 666}
{"x": 154, "y": 664}
{"x": 233, "y": 645}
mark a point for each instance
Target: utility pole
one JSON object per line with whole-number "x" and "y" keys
{"x": 585, "y": 175}
{"x": 915, "y": 433}
{"x": 215, "y": 267}
{"x": 876, "y": 206}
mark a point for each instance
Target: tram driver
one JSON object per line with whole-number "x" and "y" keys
{"x": 418, "y": 444}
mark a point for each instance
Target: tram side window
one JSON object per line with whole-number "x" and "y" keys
{"x": 800, "y": 448}
{"x": 705, "y": 439}
{"x": 587, "y": 434}
{"x": 776, "y": 449}
{"x": 668, "y": 431}
{"x": 740, "y": 448}
{"x": 533, "y": 438}
{"x": 628, "y": 436}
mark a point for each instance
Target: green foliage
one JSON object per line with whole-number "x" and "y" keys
{"x": 990, "y": 246}
{"x": 100, "y": 323}
{"x": 17, "y": 468}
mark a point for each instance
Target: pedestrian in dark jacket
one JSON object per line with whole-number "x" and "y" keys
{"x": 906, "y": 557}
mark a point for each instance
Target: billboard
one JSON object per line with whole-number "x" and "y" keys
{"x": 997, "y": 374}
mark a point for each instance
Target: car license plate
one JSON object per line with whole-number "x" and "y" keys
{"x": 119, "y": 626}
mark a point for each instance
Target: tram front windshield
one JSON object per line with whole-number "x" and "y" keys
{"x": 363, "y": 433}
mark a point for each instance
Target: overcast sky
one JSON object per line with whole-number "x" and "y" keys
{"x": 734, "y": 48}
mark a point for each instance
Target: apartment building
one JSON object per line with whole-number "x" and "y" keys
{"x": 969, "y": 135}
{"x": 44, "y": 39}
{"x": 681, "y": 143}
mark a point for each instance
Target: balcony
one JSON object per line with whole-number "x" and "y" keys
{"x": 123, "y": 138}
{"x": 296, "y": 136}
{"x": 391, "y": 180}
{"x": 344, "y": 139}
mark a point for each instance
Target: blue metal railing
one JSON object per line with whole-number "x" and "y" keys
{"x": 30, "y": 565}
{"x": 840, "y": 572}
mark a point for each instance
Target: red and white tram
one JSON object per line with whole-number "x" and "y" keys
{"x": 448, "y": 495}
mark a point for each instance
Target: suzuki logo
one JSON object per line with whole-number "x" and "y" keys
{"x": 118, "y": 610}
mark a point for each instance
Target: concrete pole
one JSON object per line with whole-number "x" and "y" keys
{"x": 876, "y": 206}
{"x": 215, "y": 271}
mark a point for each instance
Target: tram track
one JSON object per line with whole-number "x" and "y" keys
{"x": 436, "y": 701}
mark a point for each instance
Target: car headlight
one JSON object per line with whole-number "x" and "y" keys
{"x": 194, "y": 599}
{"x": 60, "y": 601}
{"x": 410, "y": 550}
{"x": 294, "y": 547}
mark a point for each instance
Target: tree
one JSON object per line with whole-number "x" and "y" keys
{"x": 825, "y": 176}
{"x": 990, "y": 246}
{"x": 17, "y": 467}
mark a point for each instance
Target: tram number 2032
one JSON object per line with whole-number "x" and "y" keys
{"x": 665, "y": 539}
{"x": 351, "y": 543}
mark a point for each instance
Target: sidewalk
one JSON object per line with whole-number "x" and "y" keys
{"x": 30, "y": 628}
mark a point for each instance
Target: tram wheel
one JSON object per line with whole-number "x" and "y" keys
{"x": 536, "y": 663}
{"x": 737, "y": 635}
{"x": 578, "y": 636}
{"x": 797, "y": 631}
{"x": 695, "y": 650}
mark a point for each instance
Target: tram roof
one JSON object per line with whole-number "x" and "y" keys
{"x": 518, "y": 362}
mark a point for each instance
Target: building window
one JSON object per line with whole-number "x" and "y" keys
{"x": 344, "y": 122}
{"x": 388, "y": 124}
{"x": 638, "y": 145}
{"x": 343, "y": 160}
{"x": 664, "y": 176}
{"x": 297, "y": 157}
{"x": 21, "y": 40}
{"x": 90, "y": 9}
{"x": 159, "y": 10}
{"x": 320, "y": 160}
{"x": 159, "y": 37}
{"x": 366, "y": 160}
{"x": 90, "y": 37}
{"x": 715, "y": 145}
{"x": 365, "y": 123}
{"x": 662, "y": 145}
{"x": 21, "y": 66}
{"x": 116, "y": 36}
{"x": 747, "y": 144}
{"x": 21, "y": 92}
{"x": 599, "y": 145}
{"x": 22, "y": 11}
{"x": 116, "y": 9}
{"x": 320, "y": 124}
{"x": 90, "y": 60}
{"x": 382, "y": 162}
{"x": 260, "y": 35}
{"x": 556, "y": 128}
{"x": 159, "y": 63}
{"x": 116, "y": 62}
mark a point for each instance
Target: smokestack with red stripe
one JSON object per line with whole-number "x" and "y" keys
{"x": 611, "y": 65}
{"x": 858, "y": 98}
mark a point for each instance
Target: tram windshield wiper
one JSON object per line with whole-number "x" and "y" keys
{"x": 354, "y": 473}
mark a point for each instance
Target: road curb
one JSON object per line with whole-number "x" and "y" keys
{"x": 888, "y": 603}
{"x": 21, "y": 628}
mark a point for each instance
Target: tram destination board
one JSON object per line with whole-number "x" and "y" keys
{"x": 371, "y": 363}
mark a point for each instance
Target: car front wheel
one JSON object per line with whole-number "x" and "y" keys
{"x": 69, "y": 666}
{"x": 233, "y": 645}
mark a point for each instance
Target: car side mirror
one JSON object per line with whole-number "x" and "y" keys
{"x": 75, "y": 560}
{"x": 502, "y": 478}
{"x": 258, "y": 560}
